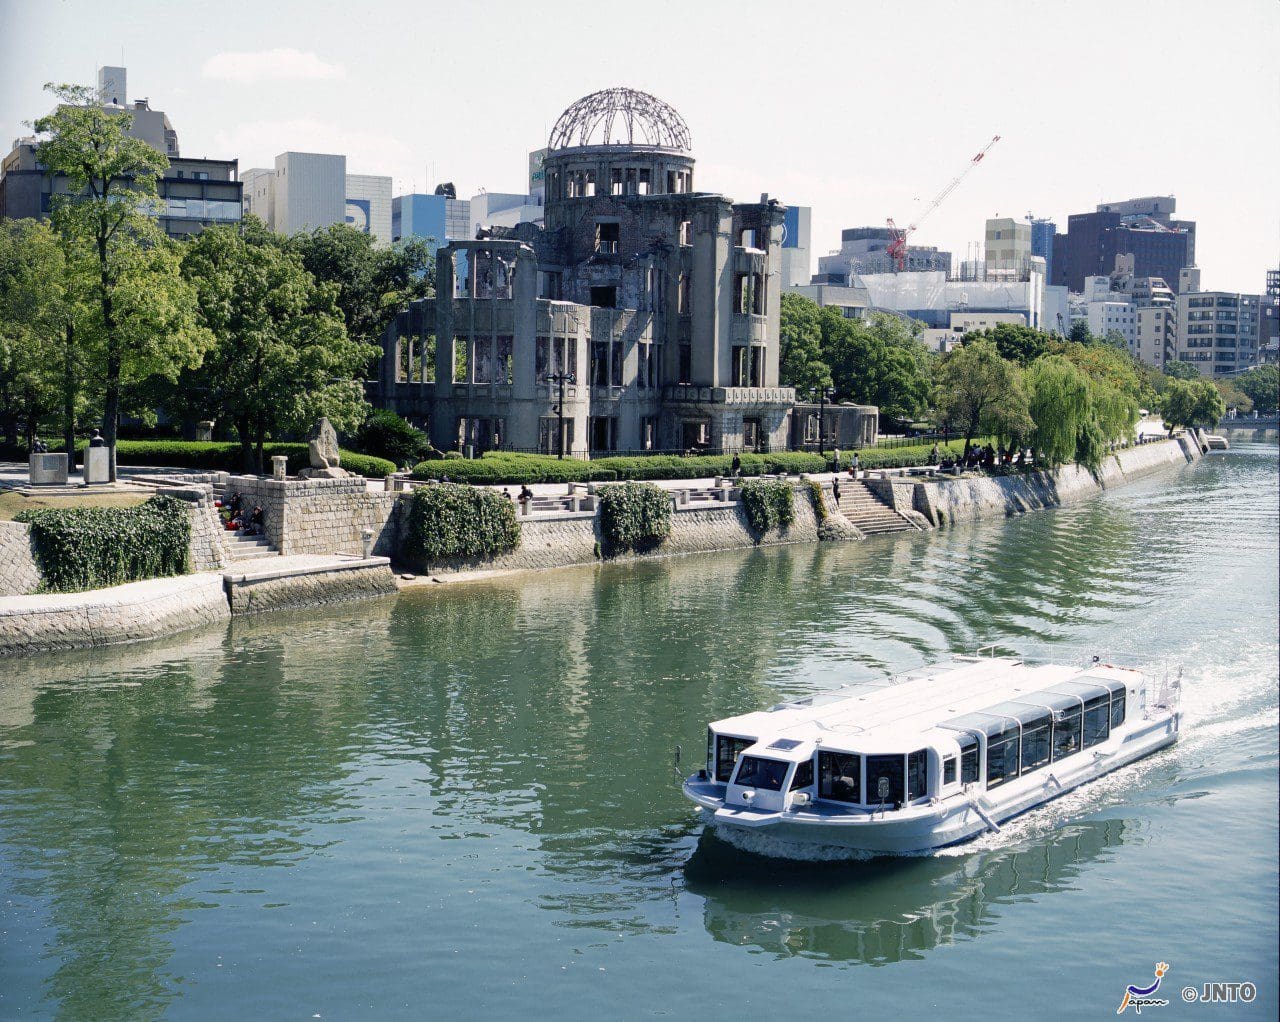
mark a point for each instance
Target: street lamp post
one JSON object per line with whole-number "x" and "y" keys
{"x": 823, "y": 394}
{"x": 561, "y": 379}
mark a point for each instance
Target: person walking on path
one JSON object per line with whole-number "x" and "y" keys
{"x": 855, "y": 465}
{"x": 835, "y": 487}
{"x": 836, "y": 467}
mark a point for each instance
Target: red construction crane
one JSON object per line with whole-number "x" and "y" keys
{"x": 898, "y": 235}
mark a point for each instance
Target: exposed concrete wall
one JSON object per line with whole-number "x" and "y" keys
{"x": 102, "y": 617}
{"x": 258, "y": 592}
{"x": 19, "y": 571}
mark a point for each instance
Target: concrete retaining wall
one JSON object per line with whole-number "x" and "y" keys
{"x": 19, "y": 572}
{"x": 127, "y": 613}
{"x": 258, "y": 592}
{"x": 958, "y": 500}
{"x": 573, "y": 538}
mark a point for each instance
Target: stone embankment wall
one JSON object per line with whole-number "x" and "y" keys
{"x": 259, "y": 592}
{"x": 320, "y": 516}
{"x": 19, "y": 571}
{"x": 574, "y": 537}
{"x": 946, "y": 502}
{"x": 102, "y": 617}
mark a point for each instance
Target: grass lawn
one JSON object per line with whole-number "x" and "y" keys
{"x": 12, "y": 502}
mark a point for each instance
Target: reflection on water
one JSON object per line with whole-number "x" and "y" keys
{"x": 368, "y": 771}
{"x": 882, "y": 910}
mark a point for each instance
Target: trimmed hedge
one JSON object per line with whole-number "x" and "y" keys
{"x": 219, "y": 456}
{"x": 904, "y": 457}
{"x": 506, "y": 467}
{"x": 634, "y": 516}
{"x": 450, "y": 521}
{"x": 384, "y": 434}
{"x": 82, "y": 548}
{"x": 769, "y": 504}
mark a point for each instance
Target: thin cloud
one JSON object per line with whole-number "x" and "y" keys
{"x": 264, "y": 64}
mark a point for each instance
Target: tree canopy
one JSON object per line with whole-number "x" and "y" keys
{"x": 282, "y": 357}
{"x": 1018, "y": 343}
{"x": 373, "y": 283}
{"x": 976, "y": 387}
{"x": 1193, "y": 403}
{"x": 144, "y": 320}
{"x": 1262, "y": 386}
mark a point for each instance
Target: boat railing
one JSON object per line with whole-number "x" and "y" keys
{"x": 1169, "y": 695}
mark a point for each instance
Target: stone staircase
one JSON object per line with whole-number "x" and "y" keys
{"x": 247, "y": 548}
{"x": 868, "y": 513}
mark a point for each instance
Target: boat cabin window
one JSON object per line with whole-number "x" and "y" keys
{"x": 968, "y": 760}
{"x": 949, "y": 770}
{"x": 1117, "y": 709}
{"x": 1035, "y": 742}
{"x": 757, "y": 772}
{"x": 1097, "y": 721}
{"x": 890, "y": 768}
{"x": 804, "y": 775}
{"x": 1066, "y": 734}
{"x": 840, "y": 776}
{"x": 917, "y": 776}
{"x": 728, "y": 749}
{"x": 1002, "y": 757}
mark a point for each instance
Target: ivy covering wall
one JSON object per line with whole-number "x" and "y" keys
{"x": 769, "y": 504}
{"x": 634, "y": 516}
{"x": 448, "y": 521}
{"x": 95, "y": 547}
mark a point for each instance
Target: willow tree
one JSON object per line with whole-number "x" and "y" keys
{"x": 145, "y": 313}
{"x": 1060, "y": 407}
{"x": 975, "y": 385}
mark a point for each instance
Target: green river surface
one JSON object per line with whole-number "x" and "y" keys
{"x": 460, "y": 803}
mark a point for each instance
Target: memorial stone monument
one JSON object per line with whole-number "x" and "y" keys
{"x": 46, "y": 469}
{"x": 97, "y": 460}
{"x": 323, "y": 449}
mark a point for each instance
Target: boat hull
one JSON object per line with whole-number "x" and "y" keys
{"x": 928, "y": 827}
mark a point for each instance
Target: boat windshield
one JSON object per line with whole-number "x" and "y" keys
{"x": 756, "y": 772}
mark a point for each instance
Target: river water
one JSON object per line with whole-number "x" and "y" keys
{"x": 461, "y": 803}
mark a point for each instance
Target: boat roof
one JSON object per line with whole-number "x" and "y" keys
{"x": 988, "y": 694}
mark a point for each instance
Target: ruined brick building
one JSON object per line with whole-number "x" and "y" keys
{"x": 652, "y": 305}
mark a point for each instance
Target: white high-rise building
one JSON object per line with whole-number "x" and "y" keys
{"x": 368, "y": 205}
{"x": 1008, "y": 247}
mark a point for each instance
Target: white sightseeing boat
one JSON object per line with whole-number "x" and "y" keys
{"x": 934, "y": 757}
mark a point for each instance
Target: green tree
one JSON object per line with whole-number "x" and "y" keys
{"x": 1193, "y": 403}
{"x": 1262, "y": 386}
{"x": 35, "y": 318}
{"x": 881, "y": 362}
{"x": 1233, "y": 396}
{"x": 373, "y": 283}
{"x": 1181, "y": 370}
{"x": 145, "y": 318}
{"x": 1017, "y": 343}
{"x": 975, "y": 387}
{"x": 800, "y": 362}
{"x": 1059, "y": 400}
{"x": 282, "y": 357}
{"x": 1080, "y": 332}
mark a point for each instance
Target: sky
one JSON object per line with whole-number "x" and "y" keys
{"x": 862, "y": 110}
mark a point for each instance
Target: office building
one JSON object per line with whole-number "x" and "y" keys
{"x": 1218, "y": 331}
{"x": 193, "y": 193}
{"x": 1142, "y": 228}
{"x": 1269, "y": 320}
{"x": 503, "y": 209}
{"x": 1157, "y": 335}
{"x": 796, "y": 252}
{"x": 368, "y": 205}
{"x": 865, "y": 250}
{"x": 642, "y": 316}
{"x": 1042, "y": 234}
{"x": 1007, "y": 247}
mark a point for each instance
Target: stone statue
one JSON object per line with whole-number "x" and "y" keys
{"x": 97, "y": 440}
{"x": 323, "y": 449}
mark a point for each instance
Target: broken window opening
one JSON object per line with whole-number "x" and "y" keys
{"x": 607, "y": 236}
{"x": 604, "y": 297}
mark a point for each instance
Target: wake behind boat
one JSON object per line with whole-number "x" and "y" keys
{"x": 939, "y": 756}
